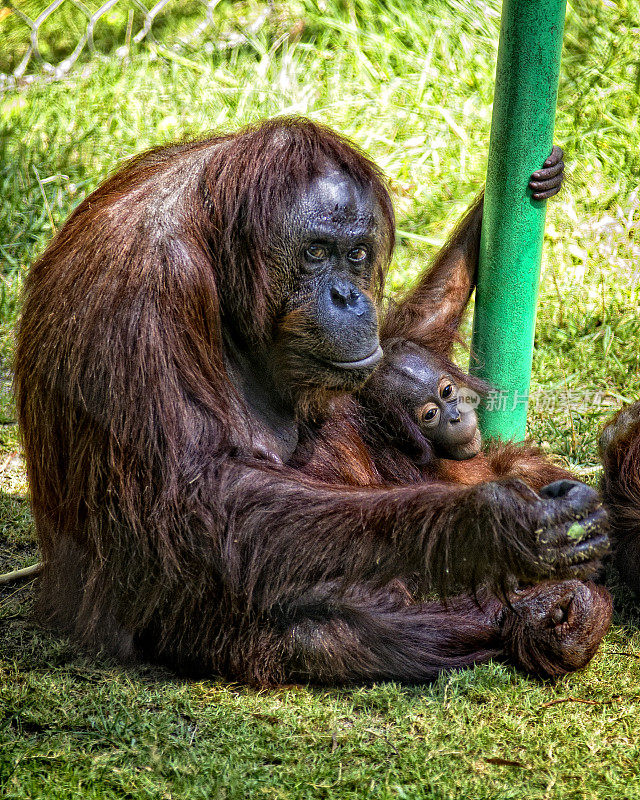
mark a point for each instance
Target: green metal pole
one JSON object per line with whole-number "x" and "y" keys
{"x": 521, "y": 139}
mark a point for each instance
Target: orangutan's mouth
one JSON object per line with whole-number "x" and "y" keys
{"x": 363, "y": 363}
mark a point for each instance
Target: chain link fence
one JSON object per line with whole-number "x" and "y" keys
{"x": 40, "y": 39}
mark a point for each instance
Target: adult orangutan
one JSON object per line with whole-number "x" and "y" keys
{"x": 183, "y": 336}
{"x": 620, "y": 453}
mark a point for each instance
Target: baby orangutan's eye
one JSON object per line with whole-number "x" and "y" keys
{"x": 429, "y": 414}
{"x": 448, "y": 390}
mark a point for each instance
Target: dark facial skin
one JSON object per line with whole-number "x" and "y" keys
{"x": 330, "y": 242}
{"x": 430, "y": 395}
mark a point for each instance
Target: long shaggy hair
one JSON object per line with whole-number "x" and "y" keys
{"x": 161, "y": 534}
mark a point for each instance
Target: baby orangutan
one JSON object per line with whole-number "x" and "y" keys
{"x": 409, "y": 423}
{"x": 421, "y": 390}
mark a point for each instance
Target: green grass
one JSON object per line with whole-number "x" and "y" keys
{"x": 412, "y": 84}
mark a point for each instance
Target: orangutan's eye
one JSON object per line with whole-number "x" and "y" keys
{"x": 357, "y": 255}
{"x": 316, "y": 252}
{"x": 429, "y": 414}
{"x": 447, "y": 390}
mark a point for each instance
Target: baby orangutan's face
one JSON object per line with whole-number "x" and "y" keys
{"x": 430, "y": 396}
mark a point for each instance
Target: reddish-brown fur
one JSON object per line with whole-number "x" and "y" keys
{"x": 620, "y": 453}
{"x": 353, "y": 448}
{"x": 163, "y": 534}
